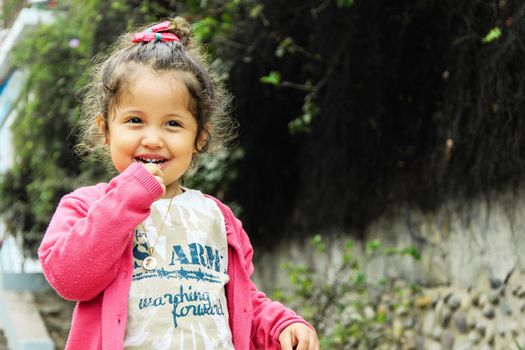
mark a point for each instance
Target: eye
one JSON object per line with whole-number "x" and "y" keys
{"x": 174, "y": 124}
{"x": 134, "y": 120}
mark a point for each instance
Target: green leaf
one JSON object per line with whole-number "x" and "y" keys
{"x": 302, "y": 124}
{"x": 274, "y": 78}
{"x": 284, "y": 45}
{"x": 390, "y": 250}
{"x": 318, "y": 244}
{"x": 493, "y": 34}
{"x": 411, "y": 251}
{"x": 374, "y": 245}
{"x": 345, "y": 3}
{"x": 205, "y": 28}
{"x": 256, "y": 10}
{"x": 360, "y": 279}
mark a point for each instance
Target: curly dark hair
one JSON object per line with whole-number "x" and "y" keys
{"x": 112, "y": 70}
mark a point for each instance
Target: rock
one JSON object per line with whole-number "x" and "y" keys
{"x": 51, "y": 309}
{"x": 423, "y": 301}
{"x": 490, "y": 334}
{"x": 402, "y": 310}
{"x": 461, "y": 323}
{"x": 420, "y": 343}
{"x": 488, "y": 312}
{"x": 482, "y": 300}
{"x": 495, "y": 283}
{"x": 474, "y": 337}
{"x": 454, "y": 302}
{"x": 409, "y": 322}
{"x": 466, "y": 301}
{"x": 445, "y": 318}
{"x": 410, "y": 340}
{"x": 439, "y": 306}
{"x": 397, "y": 329}
{"x": 505, "y": 309}
{"x": 399, "y": 284}
{"x": 481, "y": 328}
{"x": 447, "y": 297}
{"x": 436, "y": 333}
{"x": 475, "y": 298}
{"x": 503, "y": 329}
{"x": 428, "y": 323}
{"x": 471, "y": 319}
{"x": 464, "y": 346}
{"x": 514, "y": 329}
{"x": 516, "y": 290}
{"x": 369, "y": 313}
{"x": 493, "y": 297}
{"x": 435, "y": 300}
{"x": 432, "y": 345}
{"x": 447, "y": 339}
{"x": 354, "y": 315}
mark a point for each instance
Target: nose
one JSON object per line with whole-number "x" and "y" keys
{"x": 152, "y": 139}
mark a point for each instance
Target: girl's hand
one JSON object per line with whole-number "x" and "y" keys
{"x": 298, "y": 336}
{"x": 154, "y": 169}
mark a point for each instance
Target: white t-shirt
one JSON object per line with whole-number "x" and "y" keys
{"x": 181, "y": 304}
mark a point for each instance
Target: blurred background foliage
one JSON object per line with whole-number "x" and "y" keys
{"x": 346, "y": 108}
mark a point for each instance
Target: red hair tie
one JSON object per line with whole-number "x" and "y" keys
{"x": 154, "y": 33}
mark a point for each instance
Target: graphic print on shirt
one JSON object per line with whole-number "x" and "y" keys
{"x": 183, "y": 259}
{"x": 181, "y": 303}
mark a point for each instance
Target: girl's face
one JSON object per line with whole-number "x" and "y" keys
{"x": 152, "y": 122}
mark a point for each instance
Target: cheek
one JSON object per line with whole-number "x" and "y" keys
{"x": 120, "y": 162}
{"x": 123, "y": 143}
{"x": 185, "y": 145}
{"x": 121, "y": 153}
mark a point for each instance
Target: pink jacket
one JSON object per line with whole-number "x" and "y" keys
{"x": 86, "y": 255}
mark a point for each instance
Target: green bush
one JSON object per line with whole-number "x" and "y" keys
{"x": 347, "y": 311}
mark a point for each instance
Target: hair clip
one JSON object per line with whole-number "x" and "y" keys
{"x": 155, "y": 33}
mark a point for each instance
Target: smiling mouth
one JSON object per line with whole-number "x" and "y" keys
{"x": 151, "y": 160}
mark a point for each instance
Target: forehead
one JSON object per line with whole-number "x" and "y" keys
{"x": 143, "y": 86}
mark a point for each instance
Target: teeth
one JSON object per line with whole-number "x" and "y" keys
{"x": 151, "y": 160}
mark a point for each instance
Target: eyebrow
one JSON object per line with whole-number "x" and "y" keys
{"x": 142, "y": 112}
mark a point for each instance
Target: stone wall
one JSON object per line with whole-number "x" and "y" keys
{"x": 472, "y": 272}
{"x": 455, "y": 318}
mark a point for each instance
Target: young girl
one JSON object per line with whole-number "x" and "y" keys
{"x": 151, "y": 264}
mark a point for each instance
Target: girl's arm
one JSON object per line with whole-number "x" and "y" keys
{"x": 83, "y": 246}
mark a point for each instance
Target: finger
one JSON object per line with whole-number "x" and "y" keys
{"x": 303, "y": 344}
{"x": 314, "y": 343}
{"x": 160, "y": 180}
{"x": 154, "y": 169}
{"x": 286, "y": 342}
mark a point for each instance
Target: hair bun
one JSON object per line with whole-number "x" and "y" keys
{"x": 181, "y": 28}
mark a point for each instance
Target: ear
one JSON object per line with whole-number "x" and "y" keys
{"x": 204, "y": 138}
{"x": 101, "y": 124}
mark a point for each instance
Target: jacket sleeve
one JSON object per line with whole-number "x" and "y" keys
{"x": 90, "y": 231}
{"x": 270, "y": 318}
